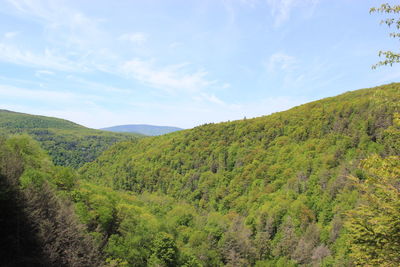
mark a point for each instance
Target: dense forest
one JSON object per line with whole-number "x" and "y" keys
{"x": 317, "y": 185}
{"x": 68, "y": 143}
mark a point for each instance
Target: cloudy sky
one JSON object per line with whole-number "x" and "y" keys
{"x": 184, "y": 62}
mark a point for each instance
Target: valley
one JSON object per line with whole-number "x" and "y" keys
{"x": 289, "y": 189}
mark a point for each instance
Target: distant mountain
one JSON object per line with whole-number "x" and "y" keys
{"x": 68, "y": 143}
{"x": 145, "y": 129}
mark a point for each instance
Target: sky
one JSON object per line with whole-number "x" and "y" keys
{"x": 185, "y": 62}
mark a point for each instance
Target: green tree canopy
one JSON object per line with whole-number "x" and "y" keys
{"x": 390, "y": 57}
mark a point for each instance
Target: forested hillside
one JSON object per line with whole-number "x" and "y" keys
{"x": 269, "y": 191}
{"x": 317, "y": 185}
{"x": 68, "y": 143}
{"x": 38, "y": 225}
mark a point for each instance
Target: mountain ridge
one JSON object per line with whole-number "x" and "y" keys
{"x": 68, "y": 143}
{"x": 18, "y": 119}
{"x": 145, "y": 129}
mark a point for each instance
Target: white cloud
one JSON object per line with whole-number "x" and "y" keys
{"x": 138, "y": 38}
{"x": 172, "y": 78}
{"x": 48, "y": 59}
{"x": 282, "y": 9}
{"x": 211, "y": 98}
{"x": 63, "y": 25}
{"x": 40, "y": 95}
{"x": 281, "y": 62}
{"x": 71, "y": 40}
{"x": 226, "y": 86}
{"x": 177, "y": 79}
{"x": 175, "y": 45}
{"x": 214, "y": 99}
{"x": 251, "y": 3}
{"x": 39, "y": 73}
{"x": 10, "y": 35}
{"x": 95, "y": 86}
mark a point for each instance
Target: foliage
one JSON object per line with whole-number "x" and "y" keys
{"x": 68, "y": 144}
{"x": 164, "y": 250}
{"x": 274, "y": 189}
{"x": 39, "y": 225}
{"x": 269, "y": 191}
{"x": 390, "y": 57}
{"x": 149, "y": 229}
{"x": 374, "y": 227}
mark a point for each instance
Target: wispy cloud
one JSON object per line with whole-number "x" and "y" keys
{"x": 281, "y": 62}
{"x": 43, "y": 72}
{"x": 251, "y": 3}
{"x": 95, "y": 86}
{"x": 48, "y": 59}
{"x": 71, "y": 40}
{"x": 54, "y": 13}
{"x": 233, "y": 6}
{"x": 41, "y": 95}
{"x": 138, "y": 38}
{"x": 210, "y": 98}
{"x": 226, "y": 86}
{"x": 10, "y": 35}
{"x": 63, "y": 25}
{"x": 175, "y": 45}
{"x": 178, "y": 79}
{"x": 172, "y": 78}
{"x": 281, "y": 10}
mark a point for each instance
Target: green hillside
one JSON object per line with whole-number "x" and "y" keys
{"x": 317, "y": 185}
{"x": 38, "y": 226}
{"x": 68, "y": 143}
{"x": 269, "y": 191}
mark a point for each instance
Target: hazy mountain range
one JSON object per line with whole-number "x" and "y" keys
{"x": 144, "y": 129}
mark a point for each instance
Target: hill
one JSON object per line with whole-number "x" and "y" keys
{"x": 317, "y": 185}
{"x": 144, "y": 129}
{"x": 268, "y": 191}
{"x": 68, "y": 143}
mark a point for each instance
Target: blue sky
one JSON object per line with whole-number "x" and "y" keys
{"x": 184, "y": 63}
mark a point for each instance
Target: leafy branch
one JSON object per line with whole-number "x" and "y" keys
{"x": 390, "y": 57}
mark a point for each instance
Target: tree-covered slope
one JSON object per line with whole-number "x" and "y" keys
{"x": 15, "y": 121}
{"x": 151, "y": 130}
{"x": 319, "y": 135}
{"x": 284, "y": 175}
{"x": 68, "y": 143}
{"x": 38, "y": 226}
